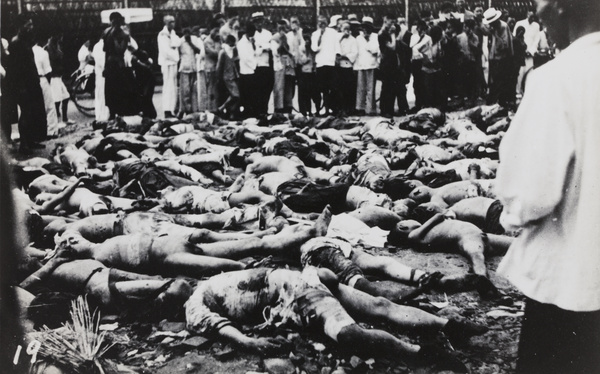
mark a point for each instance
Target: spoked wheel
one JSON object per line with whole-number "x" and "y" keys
{"x": 83, "y": 94}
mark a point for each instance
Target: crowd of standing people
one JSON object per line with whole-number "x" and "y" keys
{"x": 459, "y": 58}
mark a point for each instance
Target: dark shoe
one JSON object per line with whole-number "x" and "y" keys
{"x": 169, "y": 114}
{"x": 36, "y": 145}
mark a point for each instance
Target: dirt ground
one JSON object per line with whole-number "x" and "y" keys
{"x": 165, "y": 347}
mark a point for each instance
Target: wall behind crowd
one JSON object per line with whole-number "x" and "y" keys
{"x": 80, "y": 20}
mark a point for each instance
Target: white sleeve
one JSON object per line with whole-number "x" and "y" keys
{"x": 535, "y": 154}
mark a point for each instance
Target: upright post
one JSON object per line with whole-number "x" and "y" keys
{"x": 317, "y": 9}
{"x": 406, "y": 13}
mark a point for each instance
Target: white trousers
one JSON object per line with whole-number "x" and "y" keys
{"x": 51, "y": 117}
{"x": 101, "y": 110}
{"x": 169, "y": 93}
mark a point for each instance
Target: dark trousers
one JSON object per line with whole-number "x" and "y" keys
{"x": 264, "y": 87}
{"x": 33, "y": 126}
{"x": 392, "y": 89}
{"x": 467, "y": 79}
{"x": 434, "y": 95}
{"x": 502, "y": 81}
{"x": 554, "y": 340}
{"x": 346, "y": 89}
{"x": 417, "y": 73}
{"x": 247, "y": 84}
{"x": 308, "y": 89}
{"x": 327, "y": 78}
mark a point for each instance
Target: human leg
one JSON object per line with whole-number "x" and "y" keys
{"x": 361, "y": 90}
{"x": 554, "y": 340}
{"x": 195, "y": 266}
{"x": 288, "y": 93}
{"x": 303, "y": 94}
{"x": 280, "y": 243}
{"x": 278, "y": 89}
{"x": 386, "y": 99}
{"x": 169, "y": 95}
{"x": 473, "y": 248}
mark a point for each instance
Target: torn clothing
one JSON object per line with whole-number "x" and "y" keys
{"x": 334, "y": 254}
{"x": 245, "y": 296}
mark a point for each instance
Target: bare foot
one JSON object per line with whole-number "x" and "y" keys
{"x": 237, "y": 185}
{"x": 322, "y": 223}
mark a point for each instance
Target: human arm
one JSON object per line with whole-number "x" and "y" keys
{"x": 532, "y": 175}
{"x": 419, "y": 234}
{"x": 42, "y": 274}
{"x": 314, "y": 41}
{"x": 258, "y": 345}
{"x": 373, "y": 46}
{"x": 49, "y": 205}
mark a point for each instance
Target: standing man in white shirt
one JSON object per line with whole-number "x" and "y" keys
{"x": 532, "y": 30}
{"x": 365, "y": 65}
{"x": 325, "y": 42}
{"x": 248, "y": 55}
{"x": 345, "y": 62}
{"x": 168, "y": 57}
{"x": 296, "y": 43}
{"x": 42, "y": 62}
{"x": 264, "y": 71}
{"x": 550, "y": 188}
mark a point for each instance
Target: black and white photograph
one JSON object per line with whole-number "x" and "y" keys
{"x": 300, "y": 186}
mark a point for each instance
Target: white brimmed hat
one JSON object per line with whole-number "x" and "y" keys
{"x": 491, "y": 15}
{"x": 258, "y": 15}
{"x": 368, "y": 20}
{"x": 334, "y": 19}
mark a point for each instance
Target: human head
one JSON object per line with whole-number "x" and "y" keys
{"x": 258, "y": 19}
{"x": 116, "y": 19}
{"x": 234, "y": 23}
{"x": 283, "y": 25}
{"x": 420, "y": 194}
{"x": 567, "y": 20}
{"x": 169, "y": 22}
{"x": 446, "y": 10}
{"x": 367, "y": 24}
{"x": 345, "y": 28}
{"x": 399, "y": 234}
{"x": 294, "y": 23}
{"x": 492, "y": 17}
{"x": 511, "y": 22}
{"x": 460, "y": 6}
{"x": 214, "y": 34}
{"x": 436, "y": 33}
{"x": 230, "y": 40}
{"x": 530, "y": 16}
{"x": 478, "y": 13}
{"x": 388, "y": 20}
{"x": 250, "y": 30}
{"x": 421, "y": 27}
{"x": 334, "y": 21}
{"x": 423, "y": 212}
{"x": 219, "y": 19}
{"x": 322, "y": 22}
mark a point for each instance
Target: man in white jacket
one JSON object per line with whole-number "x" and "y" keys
{"x": 168, "y": 57}
{"x": 325, "y": 42}
{"x": 365, "y": 65}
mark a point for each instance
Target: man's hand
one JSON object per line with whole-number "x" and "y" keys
{"x": 264, "y": 346}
